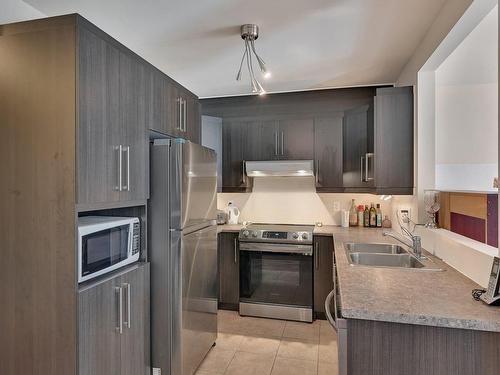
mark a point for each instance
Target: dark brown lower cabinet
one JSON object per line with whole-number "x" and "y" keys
{"x": 323, "y": 272}
{"x": 229, "y": 271}
{"x": 384, "y": 348}
{"x": 113, "y": 329}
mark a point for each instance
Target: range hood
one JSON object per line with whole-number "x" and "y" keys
{"x": 280, "y": 168}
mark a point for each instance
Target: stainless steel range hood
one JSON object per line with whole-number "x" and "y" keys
{"x": 280, "y": 168}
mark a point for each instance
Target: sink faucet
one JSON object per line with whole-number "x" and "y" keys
{"x": 415, "y": 245}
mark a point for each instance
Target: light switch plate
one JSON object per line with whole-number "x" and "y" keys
{"x": 156, "y": 371}
{"x": 405, "y": 215}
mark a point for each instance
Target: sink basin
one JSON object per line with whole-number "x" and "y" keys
{"x": 385, "y": 260}
{"x": 380, "y": 248}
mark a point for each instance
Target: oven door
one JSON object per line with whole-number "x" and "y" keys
{"x": 103, "y": 251}
{"x": 276, "y": 274}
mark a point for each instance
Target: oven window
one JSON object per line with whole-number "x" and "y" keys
{"x": 104, "y": 248}
{"x": 276, "y": 278}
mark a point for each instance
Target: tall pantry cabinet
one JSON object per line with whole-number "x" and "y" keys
{"x": 75, "y": 111}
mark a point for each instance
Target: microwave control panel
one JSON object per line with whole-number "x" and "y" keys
{"x": 136, "y": 239}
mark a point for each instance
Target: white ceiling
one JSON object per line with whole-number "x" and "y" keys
{"x": 306, "y": 44}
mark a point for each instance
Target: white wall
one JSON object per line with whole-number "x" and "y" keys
{"x": 466, "y": 112}
{"x": 17, "y": 10}
{"x": 293, "y": 200}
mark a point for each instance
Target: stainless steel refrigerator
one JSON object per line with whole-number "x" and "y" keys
{"x": 183, "y": 253}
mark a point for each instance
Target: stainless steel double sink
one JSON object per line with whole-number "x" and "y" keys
{"x": 385, "y": 255}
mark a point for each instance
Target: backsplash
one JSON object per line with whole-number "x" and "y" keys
{"x": 291, "y": 200}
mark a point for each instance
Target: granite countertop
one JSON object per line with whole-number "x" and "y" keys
{"x": 229, "y": 227}
{"x": 432, "y": 298}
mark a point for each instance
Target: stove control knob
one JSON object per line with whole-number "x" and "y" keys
{"x": 246, "y": 233}
{"x": 295, "y": 236}
{"x": 254, "y": 234}
{"x": 304, "y": 236}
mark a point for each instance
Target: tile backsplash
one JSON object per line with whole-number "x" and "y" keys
{"x": 293, "y": 200}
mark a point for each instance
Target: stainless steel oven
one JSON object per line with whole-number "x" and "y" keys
{"x": 276, "y": 272}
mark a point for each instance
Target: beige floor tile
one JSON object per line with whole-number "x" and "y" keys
{"x": 327, "y": 368}
{"x": 327, "y": 333}
{"x": 259, "y": 345}
{"x": 250, "y": 364}
{"x": 228, "y": 341}
{"x": 259, "y": 327}
{"x": 288, "y": 366}
{"x": 217, "y": 360}
{"x": 298, "y": 349}
{"x": 305, "y": 331}
{"x": 328, "y": 353}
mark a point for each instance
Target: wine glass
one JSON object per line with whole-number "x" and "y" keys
{"x": 432, "y": 203}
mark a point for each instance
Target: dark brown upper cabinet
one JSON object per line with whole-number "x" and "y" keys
{"x": 361, "y": 139}
{"x": 234, "y": 146}
{"x": 328, "y": 153}
{"x": 113, "y": 113}
{"x": 393, "y": 170}
{"x": 358, "y": 156}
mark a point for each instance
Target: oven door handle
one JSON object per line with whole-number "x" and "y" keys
{"x": 328, "y": 303}
{"x": 277, "y": 248}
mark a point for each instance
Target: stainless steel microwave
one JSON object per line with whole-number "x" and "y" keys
{"x": 106, "y": 243}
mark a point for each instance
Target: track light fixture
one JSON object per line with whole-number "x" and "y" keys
{"x": 249, "y": 34}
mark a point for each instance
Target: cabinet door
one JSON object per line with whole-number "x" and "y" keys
{"x": 134, "y": 88}
{"x": 135, "y": 339}
{"x": 357, "y": 158}
{"x": 296, "y": 139}
{"x": 234, "y": 137}
{"x": 328, "y": 153}
{"x": 229, "y": 271}
{"x": 193, "y": 120}
{"x": 323, "y": 272}
{"x": 98, "y": 119}
{"x": 99, "y": 338}
{"x": 394, "y": 139}
{"x": 160, "y": 102}
{"x": 262, "y": 140}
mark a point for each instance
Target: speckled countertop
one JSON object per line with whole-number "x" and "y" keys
{"x": 430, "y": 298}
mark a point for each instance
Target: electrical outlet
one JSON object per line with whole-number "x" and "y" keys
{"x": 336, "y": 206}
{"x": 405, "y": 215}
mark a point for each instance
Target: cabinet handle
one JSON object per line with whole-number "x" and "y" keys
{"x": 362, "y": 165}
{"x": 127, "y": 321}
{"x": 185, "y": 114}
{"x": 179, "y": 109}
{"x": 282, "y": 144}
{"x": 126, "y": 149}
{"x": 276, "y": 143}
{"x": 243, "y": 173}
{"x": 118, "y": 186}
{"x": 317, "y": 171}
{"x": 235, "y": 250}
{"x": 119, "y": 292}
{"x": 316, "y": 255}
{"x": 368, "y": 156}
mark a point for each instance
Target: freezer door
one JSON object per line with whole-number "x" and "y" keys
{"x": 193, "y": 184}
{"x": 195, "y": 298}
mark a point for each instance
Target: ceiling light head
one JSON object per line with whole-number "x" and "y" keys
{"x": 249, "y": 31}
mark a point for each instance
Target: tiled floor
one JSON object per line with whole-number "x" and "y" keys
{"x": 256, "y": 346}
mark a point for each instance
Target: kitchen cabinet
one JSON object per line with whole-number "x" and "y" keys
{"x": 160, "y": 103}
{"x": 262, "y": 140}
{"x": 229, "y": 270}
{"x": 183, "y": 112}
{"x": 358, "y": 156}
{"x": 394, "y": 140}
{"x": 114, "y": 325}
{"x": 323, "y": 272}
{"x": 234, "y": 146}
{"x": 296, "y": 139}
{"x": 328, "y": 153}
{"x": 112, "y": 117}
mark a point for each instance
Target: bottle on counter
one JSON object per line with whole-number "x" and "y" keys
{"x": 379, "y": 216}
{"x": 361, "y": 219}
{"x": 353, "y": 215}
{"x": 366, "y": 217}
{"x": 386, "y": 223}
{"x": 373, "y": 216}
